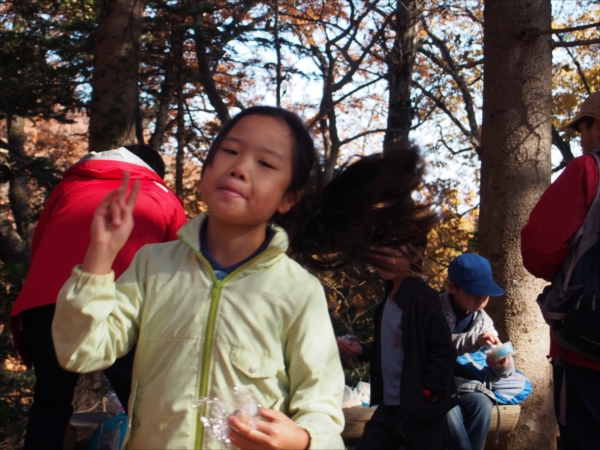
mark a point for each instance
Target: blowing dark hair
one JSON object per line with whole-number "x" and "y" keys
{"x": 367, "y": 205}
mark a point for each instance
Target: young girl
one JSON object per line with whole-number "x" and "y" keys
{"x": 225, "y": 305}
{"x": 411, "y": 358}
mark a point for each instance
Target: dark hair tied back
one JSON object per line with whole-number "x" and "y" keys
{"x": 149, "y": 156}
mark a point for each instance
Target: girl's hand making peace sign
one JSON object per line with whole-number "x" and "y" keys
{"x": 111, "y": 226}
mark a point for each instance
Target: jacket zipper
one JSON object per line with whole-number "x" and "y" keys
{"x": 209, "y": 334}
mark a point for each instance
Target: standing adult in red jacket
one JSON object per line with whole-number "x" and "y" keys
{"x": 545, "y": 241}
{"x": 60, "y": 241}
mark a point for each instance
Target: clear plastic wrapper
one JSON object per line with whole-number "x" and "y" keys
{"x": 214, "y": 412}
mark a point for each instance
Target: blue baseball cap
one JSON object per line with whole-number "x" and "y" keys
{"x": 473, "y": 274}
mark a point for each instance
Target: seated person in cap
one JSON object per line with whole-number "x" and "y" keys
{"x": 470, "y": 286}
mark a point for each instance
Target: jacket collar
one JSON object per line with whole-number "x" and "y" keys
{"x": 190, "y": 232}
{"x": 451, "y": 317}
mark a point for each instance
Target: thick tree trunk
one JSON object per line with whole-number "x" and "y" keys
{"x": 334, "y": 146}
{"x": 515, "y": 171}
{"x": 12, "y": 242}
{"x": 115, "y": 79}
{"x": 18, "y": 190}
{"x": 400, "y": 64}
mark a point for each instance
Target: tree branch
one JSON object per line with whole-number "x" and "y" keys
{"x": 470, "y": 64}
{"x": 579, "y": 69}
{"x": 577, "y": 43}
{"x": 450, "y": 68}
{"x": 354, "y": 91}
{"x": 566, "y": 30}
{"x": 9, "y": 147}
{"x": 366, "y": 133}
{"x": 440, "y": 104}
{"x": 563, "y": 147}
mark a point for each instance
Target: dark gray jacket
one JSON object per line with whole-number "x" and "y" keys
{"x": 429, "y": 354}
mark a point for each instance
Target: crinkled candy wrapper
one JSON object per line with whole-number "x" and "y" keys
{"x": 215, "y": 411}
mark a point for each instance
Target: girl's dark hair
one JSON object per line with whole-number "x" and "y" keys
{"x": 304, "y": 156}
{"x": 413, "y": 248}
{"x": 367, "y": 205}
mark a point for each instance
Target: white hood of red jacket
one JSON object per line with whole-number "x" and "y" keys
{"x": 111, "y": 164}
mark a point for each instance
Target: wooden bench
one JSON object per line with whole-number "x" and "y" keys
{"x": 83, "y": 425}
{"x": 357, "y": 416}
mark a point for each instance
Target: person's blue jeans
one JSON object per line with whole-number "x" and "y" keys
{"x": 582, "y": 428}
{"x": 468, "y": 422}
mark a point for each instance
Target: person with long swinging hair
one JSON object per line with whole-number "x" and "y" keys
{"x": 225, "y": 305}
{"x": 411, "y": 357}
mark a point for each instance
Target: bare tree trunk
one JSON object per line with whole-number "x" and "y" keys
{"x": 332, "y": 146}
{"x": 400, "y": 62}
{"x": 113, "y": 113}
{"x": 12, "y": 242}
{"x": 172, "y": 67}
{"x": 115, "y": 79}
{"x": 180, "y": 138}
{"x": 205, "y": 72}
{"x": 139, "y": 124}
{"x": 331, "y": 138}
{"x": 278, "y": 53}
{"x": 515, "y": 171}
{"x": 18, "y": 190}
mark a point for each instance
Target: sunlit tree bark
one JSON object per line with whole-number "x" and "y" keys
{"x": 515, "y": 171}
{"x": 115, "y": 78}
{"x": 400, "y": 62}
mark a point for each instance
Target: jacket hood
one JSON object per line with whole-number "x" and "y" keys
{"x": 189, "y": 234}
{"x": 109, "y": 165}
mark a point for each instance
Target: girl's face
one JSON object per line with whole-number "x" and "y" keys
{"x": 248, "y": 179}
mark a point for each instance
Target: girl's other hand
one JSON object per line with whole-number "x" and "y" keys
{"x": 111, "y": 226}
{"x": 279, "y": 433}
{"x": 349, "y": 348}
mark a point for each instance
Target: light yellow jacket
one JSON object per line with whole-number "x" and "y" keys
{"x": 265, "y": 326}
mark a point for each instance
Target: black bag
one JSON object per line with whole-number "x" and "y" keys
{"x": 571, "y": 304}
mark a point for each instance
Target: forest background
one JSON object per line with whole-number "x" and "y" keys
{"x": 82, "y": 75}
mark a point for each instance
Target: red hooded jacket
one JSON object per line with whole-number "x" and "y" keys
{"x": 62, "y": 234}
{"x": 552, "y": 224}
